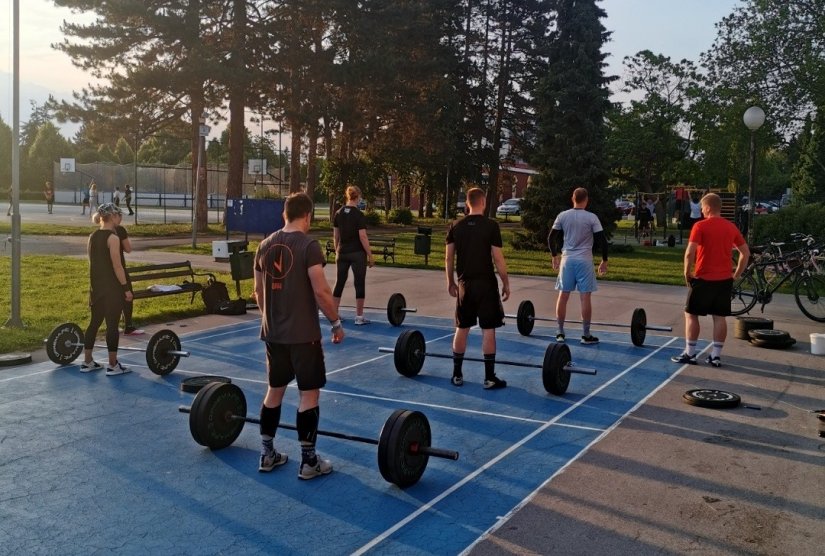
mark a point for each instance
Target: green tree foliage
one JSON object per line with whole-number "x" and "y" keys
{"x": 5, "y": 154}
{"x": 808, "y": 178}
{"x": 46, "y": 149}
{"x": 123, "y": 153}
{"x": 164, "y": 148}
{"x": 572, "y": 100}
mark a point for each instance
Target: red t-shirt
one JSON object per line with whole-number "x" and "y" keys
{"x": 716, "y": 238}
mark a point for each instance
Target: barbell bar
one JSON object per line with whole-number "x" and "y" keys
{"x": 526, "y": 317}
{"x": 163, "y": 351}
{"x": 218, "y": 414}
{"x": 410, "y": 351}
{"x": 396, "y": 309}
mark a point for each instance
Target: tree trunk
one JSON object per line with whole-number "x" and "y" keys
{"x": 295, "y": 160}
{"x": 312, "y": 156}
{"x": 237, "y": 92}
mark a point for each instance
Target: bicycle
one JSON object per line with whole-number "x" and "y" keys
{"x": 769, "y": 271}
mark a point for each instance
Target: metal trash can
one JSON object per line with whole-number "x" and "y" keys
{"x": 423, "y": 242}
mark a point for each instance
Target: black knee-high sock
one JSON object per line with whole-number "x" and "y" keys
{"x": 458, "y": 361}
{"x": 270, "y": 419}
{"x": 489, "y": 366}
{"x": 307, "y": 424}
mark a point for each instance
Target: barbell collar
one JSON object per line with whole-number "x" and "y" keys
{"x": 573, "y": 368}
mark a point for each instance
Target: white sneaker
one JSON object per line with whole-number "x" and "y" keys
{"x": 323, "y": 467}
{"x": 117, "y": 369}
{"x": 360, "y": 321}
{"x": 88, "y": 367}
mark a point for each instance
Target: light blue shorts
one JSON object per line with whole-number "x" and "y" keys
{"x": 576, "y": 274}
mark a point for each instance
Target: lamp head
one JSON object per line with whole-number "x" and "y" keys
{"x": 754, "y": 118}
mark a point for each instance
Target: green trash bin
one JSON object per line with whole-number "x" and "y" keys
{"x": 422, "y": 244}
{"x": 240, "y": 264}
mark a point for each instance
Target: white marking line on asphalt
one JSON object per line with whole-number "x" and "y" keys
{"x": 426, "y": 507}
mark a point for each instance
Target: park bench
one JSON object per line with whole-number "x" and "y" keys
{"x": 382, "y": 246}
{"x": 159, "y": 273}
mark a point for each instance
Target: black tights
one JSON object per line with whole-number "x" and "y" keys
{"x": 108, "y": 309}
{"x": 358, "y": 261}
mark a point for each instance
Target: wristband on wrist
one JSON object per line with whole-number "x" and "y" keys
{"x": 337, "y": 324}
{"x": 127, "y": 287}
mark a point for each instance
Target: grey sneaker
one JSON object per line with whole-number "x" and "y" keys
{"x": 117, "y": 369}
{"x": 361, "y": 321}
{"x": 322, "y": 467}
{"x": 88, "y": 367}
{"x": 271, "y": 460}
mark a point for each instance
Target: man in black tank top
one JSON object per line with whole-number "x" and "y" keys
{"x": 475, "y": 244}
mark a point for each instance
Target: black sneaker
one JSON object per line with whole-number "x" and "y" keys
{"x": 685, "y": 359}
{"x": 713, "y": 361}
{"x": 494, "y": 383}
{"x": 590, "y": 339}
{"x": 560, "y": 338}
{"x": 457, "y": 380}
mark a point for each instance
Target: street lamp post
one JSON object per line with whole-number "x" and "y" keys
{"x": 754, "y": 118}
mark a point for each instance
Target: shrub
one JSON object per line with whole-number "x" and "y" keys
{"x": 373, "y": 217}
{"x": 808, "y": 219}
{"x": 401, "y": 216}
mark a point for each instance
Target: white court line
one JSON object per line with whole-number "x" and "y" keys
{"x": 503, "y": 519}
{"x": 426, "y": 507}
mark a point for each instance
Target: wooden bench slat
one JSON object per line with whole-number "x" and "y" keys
{"x": 164, "y": 271}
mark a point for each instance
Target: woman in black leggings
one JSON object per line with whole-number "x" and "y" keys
{"x": 108, "y": 291}
{"x": 352, "y": 249}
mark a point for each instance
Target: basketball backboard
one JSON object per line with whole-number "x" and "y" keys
{"x": 67, "y": 165}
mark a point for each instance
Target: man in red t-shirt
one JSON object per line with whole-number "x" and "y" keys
{"x": 709, "y": 285}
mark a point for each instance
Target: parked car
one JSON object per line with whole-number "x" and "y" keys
{"x": 625, "y": 206}
{"x": 510, "y": 207}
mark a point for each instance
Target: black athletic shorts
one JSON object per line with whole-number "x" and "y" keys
{"x": 302, "y": 362}
{"x": 479, "y": 301}
{"x": 709, "y": 297}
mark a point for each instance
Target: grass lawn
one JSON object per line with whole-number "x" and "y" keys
{"x": 54, "y": 289}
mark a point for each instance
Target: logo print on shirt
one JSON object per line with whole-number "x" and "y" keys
{"x": 278, "y": 262}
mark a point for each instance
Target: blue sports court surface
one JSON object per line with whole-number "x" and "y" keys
{"x": 91, "y": 464}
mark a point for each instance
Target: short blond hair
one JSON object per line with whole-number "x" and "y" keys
{"x": 713, "y": 202}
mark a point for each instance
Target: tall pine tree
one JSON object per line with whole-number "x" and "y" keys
{"x": 572, "y": 101}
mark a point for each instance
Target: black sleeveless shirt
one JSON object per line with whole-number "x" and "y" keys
{"x": 102, "y": 275}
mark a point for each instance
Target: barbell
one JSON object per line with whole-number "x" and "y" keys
{"x": 163, "y": 351}
{"x": 396, "y": 309}
{"x": 411, "y": 350}
{"x": 526, "y": 318}
{"x": 218, "y": 414}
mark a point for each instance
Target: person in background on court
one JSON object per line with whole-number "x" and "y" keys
{"x": 85, "y": 202}
{"x": 571, "y": 240}
{"x": 48, "y": 194}
{"x": 94, "y": 197}
{"x": 290, "y": 288}
{"x": 709, "y": 279}
{"x": 695, "y": 211}
{"x": 109, "y": 289}
{"x": 352, "y": 250}
{"x": 474, "y": 255}
{"x": 116, "y": 197}
{"x": 129, "y": 329}
{"x": 127, "y": 198}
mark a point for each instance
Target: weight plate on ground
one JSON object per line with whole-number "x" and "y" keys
{"x": 12, "y": 359}
{"x": 65, "y": 343}
{"x": 554, "y": 373}
{"x": 774, "y": 345}
{"x": 158, "y": 358}
{"x": 745, "y": 324}
{"x": 638, "y": 327}
{"x": 525, "y": 317}
{"x": 410, "y": 352}
{"x": 769, "y": 335}
{"x": 194, "y": 384}
{"x": 403, "y": 434}
{"x": 210, "y": 418}
{"x": 716, "y": 399}
{"x": 395, "y": 309}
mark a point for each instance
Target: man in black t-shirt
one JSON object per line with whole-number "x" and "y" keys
{"x": 475, "y": 243}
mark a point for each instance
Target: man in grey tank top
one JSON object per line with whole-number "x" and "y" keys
{"x": 571, "y": 241}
